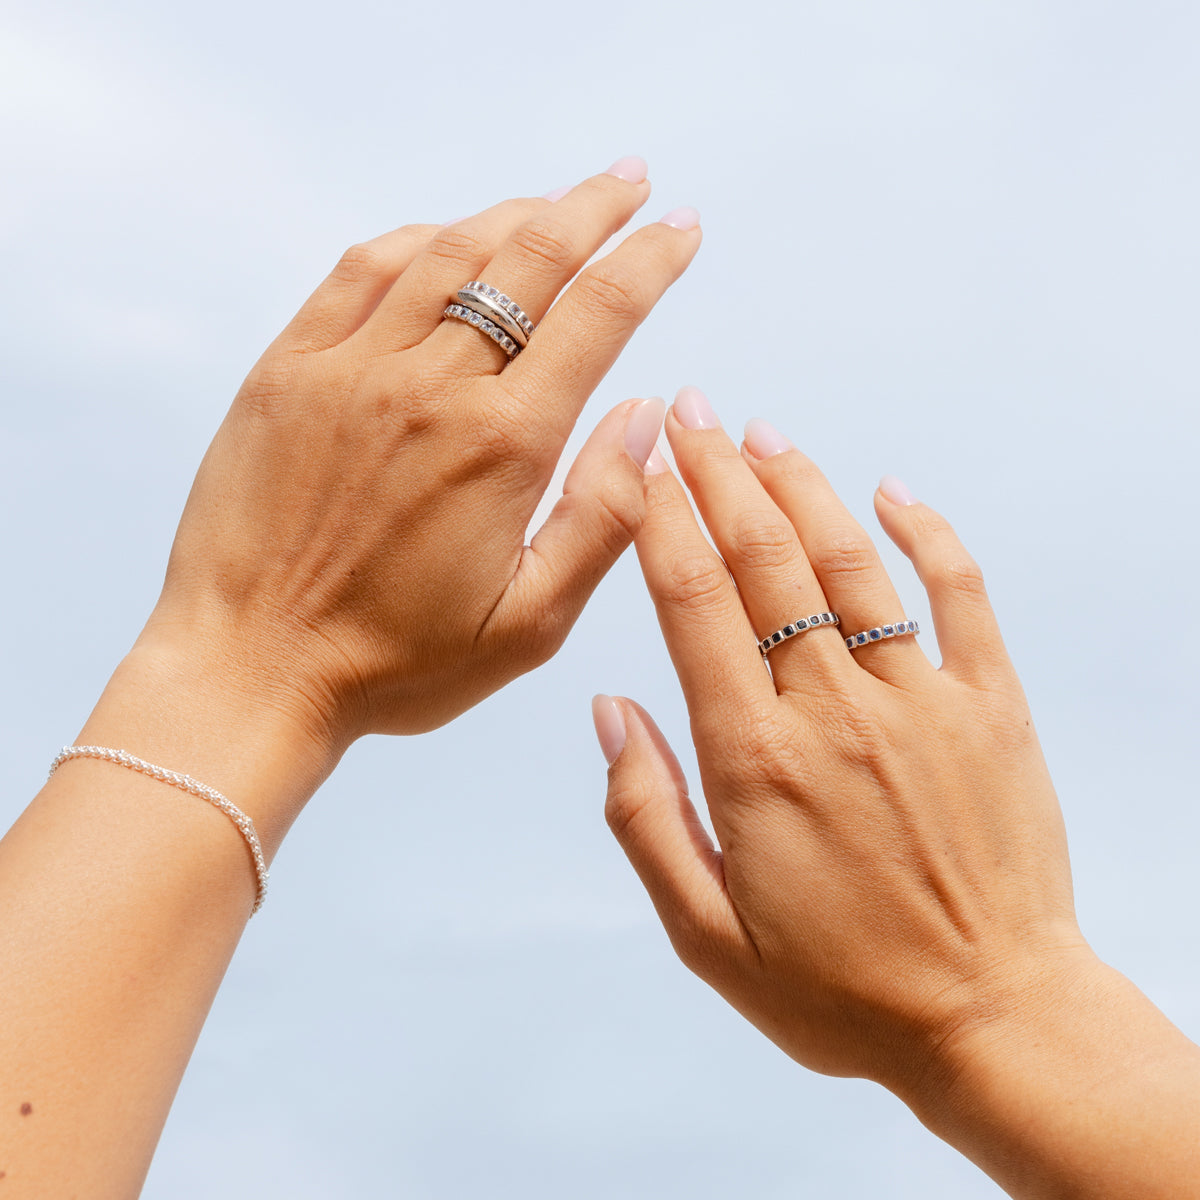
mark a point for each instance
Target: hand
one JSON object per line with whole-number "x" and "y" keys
{"x": 353, "y": 546}
{"x": 893, "y": 869}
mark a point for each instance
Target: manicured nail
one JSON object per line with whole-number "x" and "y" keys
{"x": 895, "y": 491}
{"x": 764, "y": 440}
{"x": 681, "y": 218}
{"x": 610, "y": 727}
{"x": 693, "y": 411}
{"x": 643, "y": 427}
{"x": 656, "y": 464}
{"x": 454, "y": 222}
{"x": 558, "y": 193}
{"x": 631, "y": 168}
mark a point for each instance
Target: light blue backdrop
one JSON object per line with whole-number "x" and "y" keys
{"x": 955, "y": 242}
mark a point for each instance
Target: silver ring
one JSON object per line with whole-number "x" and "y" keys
{"x": 880, "y": 632}
{"x": 502, "y": 310}
{"x": 767, "y": 644}
{"x": 461, "y": 313}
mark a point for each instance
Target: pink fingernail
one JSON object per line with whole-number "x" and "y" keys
{"x": 681, "y": 218}
{"x": 895, "y": 491}
{"x": 454, "y": 222}
{"x": 610, "y": 727}
{"x": 631, "y": 168}
{"x": 693, "y": 411}
{"x": 643, "y": 427}
{"x": 557, "y": 194}
{"x": 764, "y": 440}
{"x": 656, "y": 464}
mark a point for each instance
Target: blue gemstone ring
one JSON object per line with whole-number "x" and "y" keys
{"x": 801, "y": 625}
{"x": 880, "y": 632}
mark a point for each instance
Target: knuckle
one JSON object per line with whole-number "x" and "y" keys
{"x": 843, "y": 556}
{"x": 614, "y": 518}
{"x": 614, "y": 294}
{"x": 545, "y": 243}
{"x": 360, "y": 263}
{"x": 763, "y": 540}
{"x": 496, "y": 439}
{"x": 695, "y": 583}
{"x": 961, "y": 575}
{"x": 457, "y": 247}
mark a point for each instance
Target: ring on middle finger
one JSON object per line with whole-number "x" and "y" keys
{"x": 502, "y": 310}
{"x": 802, "y": 625}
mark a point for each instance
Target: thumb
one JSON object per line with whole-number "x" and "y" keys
{"x": 656, "y": 824}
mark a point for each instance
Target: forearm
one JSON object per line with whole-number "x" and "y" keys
{"x": 121, "y": 902}
{"x": 1086, "y": 1092}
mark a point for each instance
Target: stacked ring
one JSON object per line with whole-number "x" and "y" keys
{"x": 461, "y": 313}
{"x": 501, "y": 309}
{"x": 880, "y": 632}
{"x": 767, "y": 644}
{"x": 493, "y": 313}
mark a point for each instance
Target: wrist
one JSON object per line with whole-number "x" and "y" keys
{"x": 1067, "y": 1083}
{"x": 194, "y": 705}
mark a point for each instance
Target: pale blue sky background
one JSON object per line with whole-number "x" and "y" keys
{"x": 955, "y": 242}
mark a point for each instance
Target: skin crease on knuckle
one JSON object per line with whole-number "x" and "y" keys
{"x": 547, "y": 243}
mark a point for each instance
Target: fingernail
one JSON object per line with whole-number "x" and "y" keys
{"x": 895, "y": 490}
{"x": 764, "y": 440}
{"x": 656, "y": 464}
{"x": 681, "y": 218}
{"x": 631, "y": 168}
{"x": 558, "y": 193}
{"x": 643, "y": 427}
{"x": 454, "y": 222}
{"x": 610, "y": 727}
{"x": 693, "y": 411}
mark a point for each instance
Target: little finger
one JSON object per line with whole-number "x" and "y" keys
{"x": 967, "y": 631}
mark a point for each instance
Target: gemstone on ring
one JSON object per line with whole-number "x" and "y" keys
{"x": 767, "y": 644}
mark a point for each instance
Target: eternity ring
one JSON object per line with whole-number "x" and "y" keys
{"x": 790, "y": 631}
{"x": 880, "y": 632}
{"x": 461, "y": 313}
{"x": 502, "y": 310}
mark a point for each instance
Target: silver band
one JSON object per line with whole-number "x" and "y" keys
{"x": 500, "y": 309}
{"x": 880, "y": 632}
{"x": 461, "y": 313}
{"x": 790, "y": 631}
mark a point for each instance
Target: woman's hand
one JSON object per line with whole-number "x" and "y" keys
{"x": 354, "y": 544}
{"x": 892, "y": 896}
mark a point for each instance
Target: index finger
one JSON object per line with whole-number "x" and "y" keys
{"x": 708, "y": 635}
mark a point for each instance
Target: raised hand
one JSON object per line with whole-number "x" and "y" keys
{"x": 892, "y": 896}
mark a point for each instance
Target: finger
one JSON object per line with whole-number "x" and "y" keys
{"x": 704, "y": 625}
{"x": 967, "y": 631}
{"x": 587, "y": 329}
{"x": 600, "y": 511}
{"x": 454, "y": 254}
{"x": 353, "y": 289}
{"x": 656, "y": 824}
{"x": 543, "y": 254}
{"x": 777, "y": 586}
{"x": 845, "y": 560}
